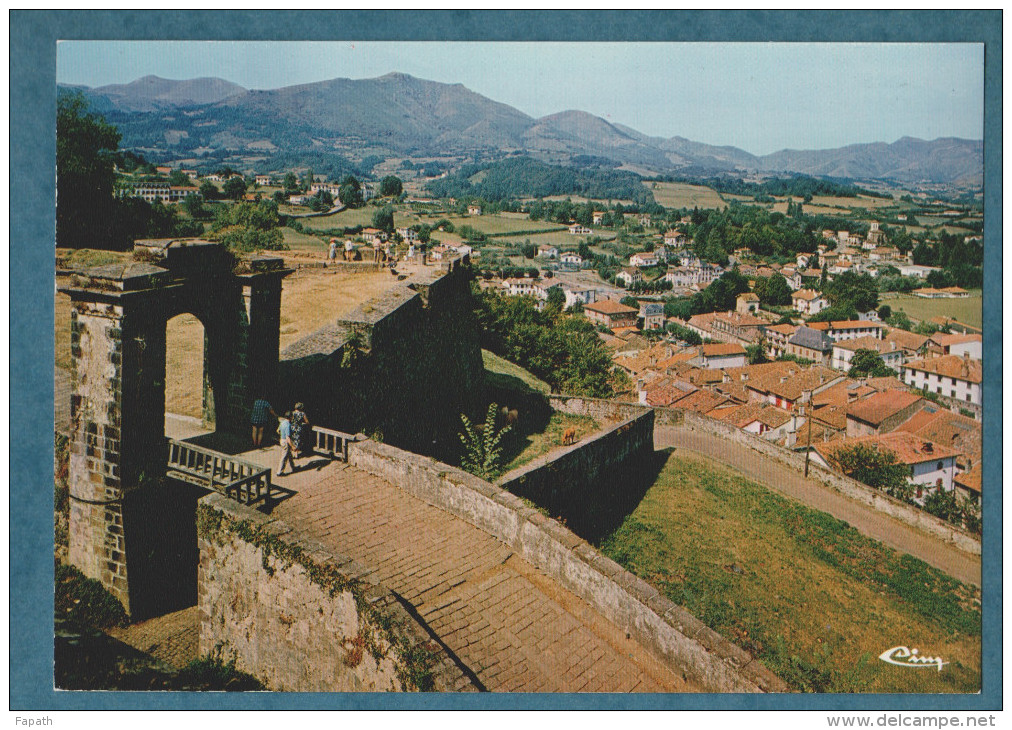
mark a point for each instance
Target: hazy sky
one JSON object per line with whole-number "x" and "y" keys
{"x": 761, "y": 97}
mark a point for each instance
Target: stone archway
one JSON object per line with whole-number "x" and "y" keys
{"x": 118, "y": 341}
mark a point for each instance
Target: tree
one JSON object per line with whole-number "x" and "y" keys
{"x": 322, "y": 201}
{"x": 944, "y": 505}
{"x": 901, "y": 320}
{"x": 756, "y": 353}
{"x": 556, "y": 298}
{"x": 384, "y": 219}
{"x": 179, "y": 178}
{"x": 885, "y": 312}
{"x": 194, "y": 206}
{"x": 858, "y": 290}
{"x": 208, "y": 190}
{"x": 773, "y": 291}
{"x": 249, "y": 226}
{"x": 85, "y": 148}
{"x": 350, "y": 193}
{"x": 234, "y": 188}
{"x": 391, "y": 186}
{"x": 868, "y": 364}
{"x": 291, "y": 183}
{"x": 876, "y": 468}
{"x": 308, "y": 179}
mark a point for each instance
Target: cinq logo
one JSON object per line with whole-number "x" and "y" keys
{"x": 901, "y": 656}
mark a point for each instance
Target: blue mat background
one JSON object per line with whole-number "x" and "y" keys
{"x": 33, "y": 38}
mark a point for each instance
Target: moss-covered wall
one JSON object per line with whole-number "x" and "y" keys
{"x": 300, "y": 618}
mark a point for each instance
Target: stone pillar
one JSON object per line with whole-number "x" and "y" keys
{"x": 263, "y": 293}
{"x": 117, "y": 414}
{"x": 130, "y": 528}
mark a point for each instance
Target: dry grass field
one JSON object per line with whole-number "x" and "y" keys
{"x": 683, "y": 195}
{"x": 308, "y": 302}
{"x": 968, "y": 311}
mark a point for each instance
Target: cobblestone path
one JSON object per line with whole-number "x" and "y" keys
{"x": 513, "y": 627}
{"x": 171, "y": 638}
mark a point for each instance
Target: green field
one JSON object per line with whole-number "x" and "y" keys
{"x": 302, "y": 242}
{"x": 813, "y": 599}
{"x": 683, "y": 195}
{"x": 969, "y": 311}
{"x": 500, "y": 224}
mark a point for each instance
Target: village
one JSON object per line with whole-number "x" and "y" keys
{"x": 784, "y": 372}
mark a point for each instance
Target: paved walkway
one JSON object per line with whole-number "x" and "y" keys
{"x": 171, "y": 638}
{"x": 792, "y": 483}
{"x": 513, "y": 627}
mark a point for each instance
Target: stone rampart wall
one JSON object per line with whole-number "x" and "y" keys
{"x": 665, "y": 629}
{"x": 401, "y": 367}
{"x": 555, "y": 480}
{"x": 851, "y": 488}
{"x": 300, "y": 618}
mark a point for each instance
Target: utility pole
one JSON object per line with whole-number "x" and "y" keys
{"x": 808, "y": 451}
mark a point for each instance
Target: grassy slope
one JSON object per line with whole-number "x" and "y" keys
{"x": 806, "y": 593}
{"x": 495, "y": 364}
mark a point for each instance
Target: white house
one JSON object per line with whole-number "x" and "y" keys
{"x": 408, "y": 235}
{"x": 547, "y": 252}
{"x": 643, "y": 259}
{"x": 850, "y": 329}
{"x": 520, "y": 287}
{"x": 953, "y": 376}
{"x": 571, "y": 258}
{"x": 721, "y": 355}
{"x": 576, "y": 294}
{"x": 324, "y": 187}
{"x": 653, "y": 315}
{"x": 808, "y": 301}
{"x": 263, "y": 179}
{"x": 579, "y": 230}
{"x": 674, "y": 238}
{"x": 628, "y": 276}
{"x": 844, "y": 351}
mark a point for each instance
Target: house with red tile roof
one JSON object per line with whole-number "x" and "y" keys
{"x": 882, "y": 412}
{"x": 844, "y": 351}
{"x": 719, "y": 355}
{"x": 949, "y": 429}
{"x": 967, "y": 484}
{"x": 610, "y": 313}
{"x": 951, "y": 376}
{"x": 849, "y": 329}
{"x": 786, "y": 389}
{"x": 930, "y": 466}
{"x": 941, "y": 343}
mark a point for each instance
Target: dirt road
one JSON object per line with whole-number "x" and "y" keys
{"x": 942, "y": 555}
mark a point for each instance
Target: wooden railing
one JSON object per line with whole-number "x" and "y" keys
{"x": 240, "y": 480}
{"x": 329, "y": 441}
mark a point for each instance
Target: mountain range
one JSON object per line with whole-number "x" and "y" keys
{"x": 400, "y": 115}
